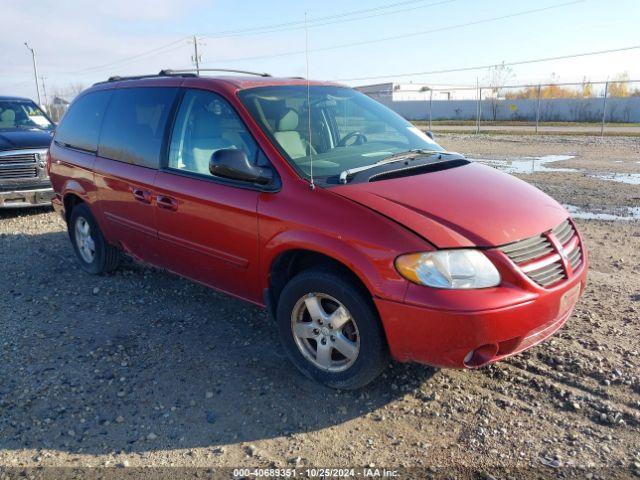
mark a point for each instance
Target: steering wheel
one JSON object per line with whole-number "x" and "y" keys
{"x": 360, "y": 139}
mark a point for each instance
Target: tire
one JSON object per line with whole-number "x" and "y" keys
{"x": 105, "y": 257}
{"x": 363, "y": 330}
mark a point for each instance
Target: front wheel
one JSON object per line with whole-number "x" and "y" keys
{"x": 331, "y": 330}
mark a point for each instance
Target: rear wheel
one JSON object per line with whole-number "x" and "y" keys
{"x": 331, "y": 330}
{"x": 96, "y": 256}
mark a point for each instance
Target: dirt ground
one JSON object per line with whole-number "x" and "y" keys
{"x": 141, "y": 368}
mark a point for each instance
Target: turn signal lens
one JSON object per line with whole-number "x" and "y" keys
{"x": 452, "y": 269}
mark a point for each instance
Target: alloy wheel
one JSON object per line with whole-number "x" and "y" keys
{"x": 84, "y": 241}
{"x": 325, "y": 332}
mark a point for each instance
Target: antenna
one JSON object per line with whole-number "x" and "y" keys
{"x": 312, "y": 185}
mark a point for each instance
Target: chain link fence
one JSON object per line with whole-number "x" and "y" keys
{"x": 606, "y": 107}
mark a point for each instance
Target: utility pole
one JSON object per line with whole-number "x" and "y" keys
{"x": 44, "y": 92}
{"x": 195, "y": 57}
{"x": 478, "y": 106}
{"x": 538, "y": 108}
{"x": 430, "y": 106}
{"x": 604, "y": 107}
{"x": 35, "y": 70}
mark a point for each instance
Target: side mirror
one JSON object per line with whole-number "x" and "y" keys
{"x": 430, "y": 134}
{"x": 235, "y": 165}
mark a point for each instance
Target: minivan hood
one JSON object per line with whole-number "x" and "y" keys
{"x": 18, "y": 138}
{"x": 470, "y": 205}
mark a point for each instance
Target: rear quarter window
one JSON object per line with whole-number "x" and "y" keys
{"x": 135, "y": 124}
{"x": 80, "y": 126}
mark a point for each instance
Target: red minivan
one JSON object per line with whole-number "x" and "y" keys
{"x": 362, "y": 236}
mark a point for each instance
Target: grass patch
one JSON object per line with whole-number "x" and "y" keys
{"x": 422, "y": 123}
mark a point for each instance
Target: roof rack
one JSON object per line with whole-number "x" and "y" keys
{"x": 179, "y": 73}
{"x": 227, "y": 70}
{"x": 162, "y": 73}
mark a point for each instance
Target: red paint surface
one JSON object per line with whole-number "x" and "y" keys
{"x": 228, "y": 238}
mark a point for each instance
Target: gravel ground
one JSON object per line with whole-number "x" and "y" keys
{"x": 141, "y": 368}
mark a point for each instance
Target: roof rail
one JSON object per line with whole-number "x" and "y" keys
{"x": 162, "y": 73}
{"x": 179, "y": 73}
{"x": 227, "y": 70}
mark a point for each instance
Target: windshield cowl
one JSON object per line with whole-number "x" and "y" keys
{"x": 408, "y": 156}
{"x": 402, "y": 168}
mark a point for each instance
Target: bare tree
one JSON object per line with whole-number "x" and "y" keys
{"x": 497, "y": 78}
{"x": 74, "y": 89}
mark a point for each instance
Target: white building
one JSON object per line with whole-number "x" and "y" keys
{"x": 399, "y": 92}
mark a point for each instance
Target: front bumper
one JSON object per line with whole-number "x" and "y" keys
{"x": 26, "y": 198}
{"x": 467, "y": 338}
{"x": 24, "y": 181}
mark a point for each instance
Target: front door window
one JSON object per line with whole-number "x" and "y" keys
{"x": 206, "y": 123}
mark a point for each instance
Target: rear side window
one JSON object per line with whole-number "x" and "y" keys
{"x": 80, "y": 126}
{"x": 134, "y": 125}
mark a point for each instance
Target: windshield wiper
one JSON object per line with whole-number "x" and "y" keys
{"x": 396, "y": 157}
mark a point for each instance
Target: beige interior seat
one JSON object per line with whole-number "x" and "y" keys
{"x": 206, "y": 138}
{"x": 8, "y": 118}
{"x": 288, "y": 136}
{"x": 231, "y": 128}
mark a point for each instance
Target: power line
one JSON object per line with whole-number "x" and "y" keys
{"x": 408, "y": 35}
{"x": 15, "y": 84}
{"x": 366, "y": 17}
{"x": 299, "y": 24}
{"x": 166, "y": 47}
{"x": 131, "y": 57}
{"x": 239, "y": 32}
{"x": 483, "y": 67}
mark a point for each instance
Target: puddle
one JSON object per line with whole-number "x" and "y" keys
{"x": 631, "y": 178}
{"x": 629, "y": 214}
{"x": 527, "y": 165}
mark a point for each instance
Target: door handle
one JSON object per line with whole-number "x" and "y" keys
{"x": 141, "y": 195}
{"x": 167, "y": 203}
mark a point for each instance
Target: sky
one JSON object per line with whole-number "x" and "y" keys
{"x": 78, "y": 43}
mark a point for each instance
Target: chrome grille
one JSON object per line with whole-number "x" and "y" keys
{"x": 575, "y": 258}
{"x": 18, "y": 171}
{"x": 529, "y": 249}
{"x": 563, "y": 232}
{"x": 17, "y": 158}
{"x": 548, "y": 275}
{"x": 540, "y": 261}
{"x": 17, "y": 164}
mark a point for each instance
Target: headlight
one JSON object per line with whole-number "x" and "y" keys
{"x": 449, "y": 269}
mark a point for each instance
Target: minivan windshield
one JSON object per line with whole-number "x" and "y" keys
{"x": 339, "y": 128}
{"x": 22, "y": 114}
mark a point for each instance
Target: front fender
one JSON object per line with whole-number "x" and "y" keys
{"x": 373, "y": 266}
